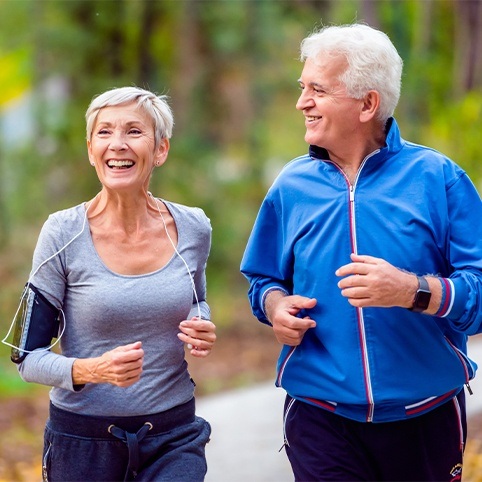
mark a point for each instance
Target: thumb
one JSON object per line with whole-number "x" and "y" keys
{"x": 304, "y": 302}
{"x": 131, "y": 346}
{"x": 311, "y": 322}
{"x": 298, "y": 303}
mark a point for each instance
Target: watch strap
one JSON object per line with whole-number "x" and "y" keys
{"x": 422, "y": 296}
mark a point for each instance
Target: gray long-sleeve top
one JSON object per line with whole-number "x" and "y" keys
{"x": 104, "y": 309}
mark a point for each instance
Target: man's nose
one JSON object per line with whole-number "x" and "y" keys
{"x": 304, "y": 100}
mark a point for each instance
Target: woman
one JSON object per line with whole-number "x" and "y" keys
{"x": 127, "y": 272}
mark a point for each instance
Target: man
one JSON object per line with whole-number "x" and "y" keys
{"x": 366, "y": 259}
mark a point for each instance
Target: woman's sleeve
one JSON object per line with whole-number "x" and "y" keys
{"x": 48, "y": 276}
{"x": 200, "y": 305}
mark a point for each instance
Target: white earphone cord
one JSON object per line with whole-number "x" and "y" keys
{"x": 5, "y": 342}
{"x": 179, "y": 255}
{"x": 25, "y": 291}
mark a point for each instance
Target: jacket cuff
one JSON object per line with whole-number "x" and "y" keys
{"x": 454, "y": 298}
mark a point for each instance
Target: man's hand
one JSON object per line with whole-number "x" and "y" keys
{"x": 281, "y": 311}
{"x": 370, "y": 281}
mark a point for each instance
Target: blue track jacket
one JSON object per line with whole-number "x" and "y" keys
{"x": 410, "y": 206}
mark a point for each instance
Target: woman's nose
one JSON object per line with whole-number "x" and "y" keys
{"x": 117, "y": 142}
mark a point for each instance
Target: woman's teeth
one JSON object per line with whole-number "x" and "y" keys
{"x": 120, "y": 163}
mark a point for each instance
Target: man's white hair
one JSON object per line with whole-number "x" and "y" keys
{"x": 373, "y": 61}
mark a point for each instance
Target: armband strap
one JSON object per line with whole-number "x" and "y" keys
{"x": 36, "y": 324}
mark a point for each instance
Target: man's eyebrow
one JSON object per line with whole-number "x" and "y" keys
{"x": 312, "y": 84}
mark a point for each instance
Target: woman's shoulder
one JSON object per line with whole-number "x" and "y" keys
{"x": 66, "y": 220}
{"x": 188, "y": 214}
{"x": 72, "y": 214}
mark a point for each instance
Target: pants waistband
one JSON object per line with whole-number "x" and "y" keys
{"x": 98, "y": 427}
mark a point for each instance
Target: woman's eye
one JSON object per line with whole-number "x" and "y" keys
{"x": 135, "y": 131}
{"x": 102, "y": 132}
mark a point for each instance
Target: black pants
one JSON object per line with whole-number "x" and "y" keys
{"x": 322, "y": 446}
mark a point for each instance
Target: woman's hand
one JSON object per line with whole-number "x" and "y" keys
{"x": 199, "y": 335}
{"x": 121, "y": 366}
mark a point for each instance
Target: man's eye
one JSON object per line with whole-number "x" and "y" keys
{"x": 135, "y": 131}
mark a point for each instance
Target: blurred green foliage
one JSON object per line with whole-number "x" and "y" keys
{"x": 230, "y": 69}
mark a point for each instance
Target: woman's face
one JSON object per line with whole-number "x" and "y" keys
{"x": 122, "y": 147}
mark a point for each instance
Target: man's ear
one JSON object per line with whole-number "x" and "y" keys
{"x": 370, "y": 106}
{"x": 161, "y": 153}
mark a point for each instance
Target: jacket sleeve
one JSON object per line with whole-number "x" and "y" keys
{"x": 462, "y": 300}
{"x": 267, "y": 261}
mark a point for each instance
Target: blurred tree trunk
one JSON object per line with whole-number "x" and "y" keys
{"x": 4, "y": 228}
{"x": 187, "y": 64}
{"x": 468, "y": 45}
{"x": 369, "y": 13}
{"x": 147, "y": 64}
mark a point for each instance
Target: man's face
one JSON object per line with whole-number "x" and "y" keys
{"x": 331, "y": 116}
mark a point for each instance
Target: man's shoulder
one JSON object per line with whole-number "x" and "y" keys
{"x": 297, "y": 164}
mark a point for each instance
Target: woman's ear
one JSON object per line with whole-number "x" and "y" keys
{"x": 162, "y": 150}
{"x": 89, "y": 152}
{"x": 370, "y": 106}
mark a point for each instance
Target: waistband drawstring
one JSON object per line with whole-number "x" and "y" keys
{"x": 132, "y": 440}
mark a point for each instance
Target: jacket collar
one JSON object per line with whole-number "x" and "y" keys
{"x": 393, "y": 143}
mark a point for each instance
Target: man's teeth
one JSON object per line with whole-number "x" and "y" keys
{"x": 119, "y": 163}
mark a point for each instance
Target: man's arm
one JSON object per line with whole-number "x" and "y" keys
{"x": 370, "y": 281}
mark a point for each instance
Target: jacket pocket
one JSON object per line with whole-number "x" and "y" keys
{"x": 282, "y": 365}
{"x": 466, "y": 362}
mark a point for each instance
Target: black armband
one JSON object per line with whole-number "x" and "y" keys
{"x": 37, "y": 323}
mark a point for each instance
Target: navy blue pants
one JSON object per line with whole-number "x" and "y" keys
{"x": 322, "y": 446}
{"x": 169, "y": 446}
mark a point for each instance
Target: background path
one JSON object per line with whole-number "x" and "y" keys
{"x": 247, "y": 429}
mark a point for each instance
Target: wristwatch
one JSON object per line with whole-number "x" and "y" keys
{"x": 422, "y": 296}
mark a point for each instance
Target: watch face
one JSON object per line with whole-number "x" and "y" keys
{"x": 423, "y": 299}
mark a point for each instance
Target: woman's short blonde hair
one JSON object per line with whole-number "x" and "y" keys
{"x": 155, "y": 106}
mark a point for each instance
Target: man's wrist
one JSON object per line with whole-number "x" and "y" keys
{"x": 421, "y": 300}
{"x": 270, "y": 298}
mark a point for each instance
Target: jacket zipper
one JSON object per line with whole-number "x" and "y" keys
{"x": 361, "y": 323}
